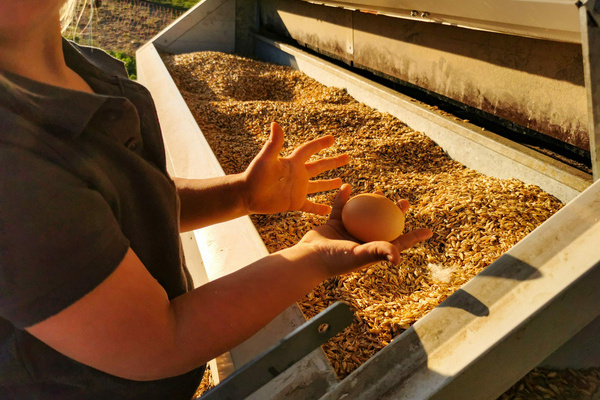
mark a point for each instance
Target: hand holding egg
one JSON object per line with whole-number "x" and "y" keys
{"x": 373, "y": 217}
{"x": 342, "y": 252}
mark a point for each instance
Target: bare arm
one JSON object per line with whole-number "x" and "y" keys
{"x": 128, "y": 327}
{"x": 271, "y": 184}
{"x": 206, "y": 202}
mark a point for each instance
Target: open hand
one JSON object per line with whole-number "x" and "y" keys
{"x": 341, "y": 253}
{"x": 277, "y": 184}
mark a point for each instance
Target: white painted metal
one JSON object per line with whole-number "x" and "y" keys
{"x": 225, "y": 247}
{"x": 208, "y": 25}
{"x": 542, "y": 278}
{"x": 546, "y": 19}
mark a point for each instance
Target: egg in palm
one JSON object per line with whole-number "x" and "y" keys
{"x": 373, "y": 217}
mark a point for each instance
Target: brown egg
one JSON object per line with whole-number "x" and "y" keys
{"x": 370, "y": 217}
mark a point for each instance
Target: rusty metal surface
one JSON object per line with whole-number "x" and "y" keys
{"x": 537, "y": 84}
{"x": 325, "y": 29}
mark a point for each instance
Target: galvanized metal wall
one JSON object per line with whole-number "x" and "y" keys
{"x": 535, "y": 83}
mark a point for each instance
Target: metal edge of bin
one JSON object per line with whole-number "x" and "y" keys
{"x": 553, "y": 20}
{"x": 230, "y": 245}
{"x": 501, "y": 324}
{"x": 209, "y": 25}
{"x": 564, "y": 183}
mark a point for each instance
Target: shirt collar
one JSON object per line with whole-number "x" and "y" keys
{"x": 64, "y": 112}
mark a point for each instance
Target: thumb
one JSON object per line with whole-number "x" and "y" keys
{"x": 273, "y": 146}
{"x": 411, "y": 238}
{"x": 372, "y": 252}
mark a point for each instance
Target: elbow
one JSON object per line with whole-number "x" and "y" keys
{"x": 155, "y": 365}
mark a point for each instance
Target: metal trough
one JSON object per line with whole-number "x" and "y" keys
{"x": 515, "y": 315}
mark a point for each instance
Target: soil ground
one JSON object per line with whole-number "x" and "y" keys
{"x": 122, "y": 26}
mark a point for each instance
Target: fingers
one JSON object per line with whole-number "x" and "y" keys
{"x": 273, "y": 146}
{"x": 308, "y": 149}
{"x": 315, "y": 168}
{"x": 390, "y": 251}
{"x": 378, "y": 251}
{"x": 404, "y": 205}
{"x": 411, "y": 238}
{"x": 340, "y": 200}
{"x": 323, "y": 185}
{"x": 315, "y": 208}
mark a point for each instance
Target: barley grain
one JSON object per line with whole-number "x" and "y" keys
{"x": 475, "y": 218}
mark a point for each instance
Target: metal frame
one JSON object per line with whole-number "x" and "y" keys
{"x": 284, "y": 354}
{"x": 553, "y": 20}
{"x": 589, "y": 13}
{"x": 547, "y": 280}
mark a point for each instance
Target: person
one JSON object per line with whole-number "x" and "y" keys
{"x": 95, "y": 299}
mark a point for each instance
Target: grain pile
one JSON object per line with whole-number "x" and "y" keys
{"x": 206, "y": 384}
{"x": 566, "y": 384}
{"x": 474, "y": 218}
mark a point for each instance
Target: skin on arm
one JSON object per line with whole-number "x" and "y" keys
{"x": 271, "y": 184}
{"x": 127, "y": 326}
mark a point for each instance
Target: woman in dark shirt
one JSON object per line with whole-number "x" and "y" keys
{"x": 95, "y": 299}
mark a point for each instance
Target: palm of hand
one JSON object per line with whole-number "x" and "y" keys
{"x": 277, "y": 184}
{"x": 341, "y": 253}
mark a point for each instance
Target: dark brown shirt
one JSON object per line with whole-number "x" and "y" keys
{"x": 82, "y": 179}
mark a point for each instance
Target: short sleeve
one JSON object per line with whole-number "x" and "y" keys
{"x": 59, "y": 238}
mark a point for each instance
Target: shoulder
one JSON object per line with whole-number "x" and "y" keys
{"x": 16, "y": 131}
{"x": 100, "y": 59}
{"x": 28, "y": 147}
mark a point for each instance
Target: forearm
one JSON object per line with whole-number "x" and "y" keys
{"x": 209, "y": 201}
{"x": 221, "y": 314}
{"x": 127, "y": 326}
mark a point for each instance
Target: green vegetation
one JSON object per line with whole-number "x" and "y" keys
{"x": 121, "y": 27}
{"x": 185, "y": 4}
{"x": 129, "y": 61}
